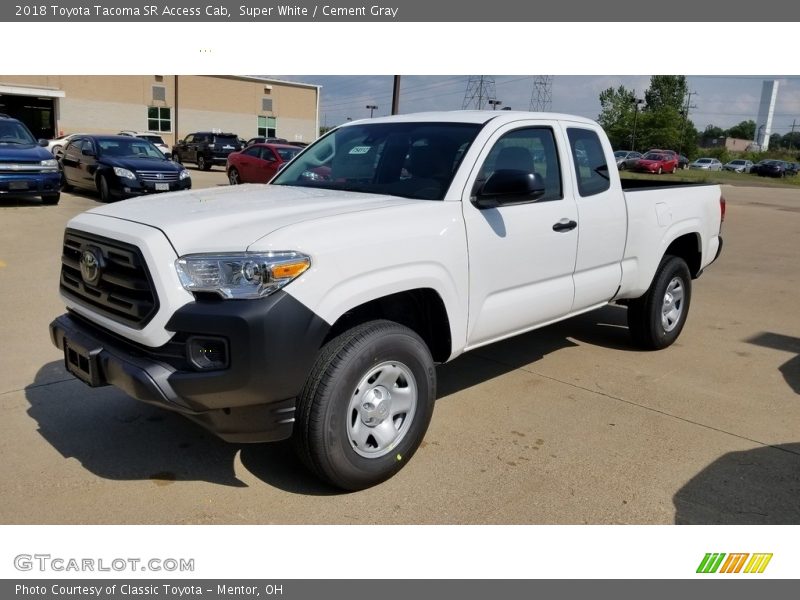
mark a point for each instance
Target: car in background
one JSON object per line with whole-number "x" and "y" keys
{"x": 259, "y": 163}
{"x": 770, "y": 168}
{"x": 656, "y": 162}
{"x": 738, "y": 166}
{"x": 206, "y": 148}
{"x": 792, "y": 168}
{"x": 683, "y": 162}
{"x": 264, "y": 140}
{"x": 706, "y": 164}
{"x": 27, "y": 168}
{"x": 623, "y": 158}
{"x": 56, "y": 145}
{"x": 120, "y": 166}
{"x": 151, "y": 137}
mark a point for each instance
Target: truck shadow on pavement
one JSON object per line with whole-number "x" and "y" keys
{"x": 117, "y": 437}
{"x": 606, "y": 327}
{"x": 790, "y": 369}
{"x": 753, "y": 487}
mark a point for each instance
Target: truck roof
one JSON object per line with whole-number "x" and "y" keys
{"x": 473, "y": 116}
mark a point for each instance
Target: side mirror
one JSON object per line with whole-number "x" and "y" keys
{"x": 42, "y": 142}
{"x": 509, "y": 186}
{"x": 85, "y": 152}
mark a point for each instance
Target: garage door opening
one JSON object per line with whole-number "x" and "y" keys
{"x": 39, "y": 114}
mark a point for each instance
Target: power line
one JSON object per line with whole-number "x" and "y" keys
{"x": 480, "y": 89}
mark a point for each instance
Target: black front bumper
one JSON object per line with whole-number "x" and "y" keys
{"x": 272, "y": 344}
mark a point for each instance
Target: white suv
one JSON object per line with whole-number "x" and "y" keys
{"x": 151, "y": 137}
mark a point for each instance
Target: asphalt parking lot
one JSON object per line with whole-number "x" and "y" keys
{"x": 565, "y": 425}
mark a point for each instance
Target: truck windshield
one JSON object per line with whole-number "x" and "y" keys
{"x": 412, "y": 160}
{"x": 12, "y": 132}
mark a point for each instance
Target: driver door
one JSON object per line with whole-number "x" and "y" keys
{"x": 521, "y": 255}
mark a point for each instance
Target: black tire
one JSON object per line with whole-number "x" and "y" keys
{"x": 233, "y": 176}
{"x": 104, "y": 189}
{"x": 202, "y": 163}
{"x": 324, "y": 417}
{"x": 622, "y": 167}
{"x": 65, "y": 187}
{"x": 51, "y": 199}
{"x": 176, "y": 158}
{"x": 645, "y": 314}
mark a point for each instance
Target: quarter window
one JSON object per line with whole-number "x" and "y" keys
{"x": 159, "y": 118}
{"x": 590, "y": 161}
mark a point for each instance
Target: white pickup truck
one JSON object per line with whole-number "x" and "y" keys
{"x": 316, "y": 307}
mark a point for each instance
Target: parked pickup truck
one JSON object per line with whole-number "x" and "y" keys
{"x": 316, "y": 307}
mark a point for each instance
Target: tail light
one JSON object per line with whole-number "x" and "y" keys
{"x": 722, "y": 205}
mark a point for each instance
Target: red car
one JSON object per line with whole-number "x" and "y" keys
{"x": 656, "y": 162}
{"x": 258, "y": 163}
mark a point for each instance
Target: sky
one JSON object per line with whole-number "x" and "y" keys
{"x": 719, "y": 100}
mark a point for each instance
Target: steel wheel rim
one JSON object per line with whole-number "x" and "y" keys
{"x": 672, "y": 306}
{"x": 381, "y": 409}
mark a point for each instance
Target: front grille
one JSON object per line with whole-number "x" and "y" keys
{"x": 124, "y": 291}
{"x": 158, "y": 176}
{"x": 24, "y": 167}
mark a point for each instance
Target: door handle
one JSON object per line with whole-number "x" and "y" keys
{"x": 565, "y": 225}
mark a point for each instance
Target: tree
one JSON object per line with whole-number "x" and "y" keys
{"x": 746, "y": 130}
{"x": 616, "y": 115}
{"x": 711, "y": 132}
{"x": 666, "y": 91}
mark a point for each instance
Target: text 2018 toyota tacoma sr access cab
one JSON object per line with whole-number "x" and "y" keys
{"x": 316, "y": 307}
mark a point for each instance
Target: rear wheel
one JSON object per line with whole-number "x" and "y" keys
{"x": 366, "y": 405}
{"x": 656, "y": 319}
{"x": 202, "y": 163}
{"x": 233, "y": 176}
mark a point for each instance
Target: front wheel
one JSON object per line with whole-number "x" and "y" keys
{"x": 233, "y": 176}
{"x": 104, "y": 188}
{"x": 656, "y": 319}
{"x": 659, "y": 170}
{"x": 366, "y": 405}
{"x": 51, "y": 199}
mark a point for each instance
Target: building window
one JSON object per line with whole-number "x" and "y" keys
{"x": 159, "y": 93}
{"x": 159, "y": 78}
{"x": 267, "y": 126}
{"x": 159, "y": 118}
{"x": 266, "y": 104}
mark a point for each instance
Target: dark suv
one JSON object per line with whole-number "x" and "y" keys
{"x": 26, "y": 168}
{"x": 206, "y": 148}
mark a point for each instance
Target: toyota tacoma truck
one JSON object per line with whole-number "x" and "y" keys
{"x": 317, "y": 306}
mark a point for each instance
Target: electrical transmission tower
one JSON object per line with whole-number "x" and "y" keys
{"x": 480, "y": 89}
{"x": 542, "y": 94}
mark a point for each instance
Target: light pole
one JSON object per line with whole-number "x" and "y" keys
{"x": 495, "y": 104}
{"x": 636, "y": 102}
{"x": 371, "y": 108}
{"x": 685, "y": 113}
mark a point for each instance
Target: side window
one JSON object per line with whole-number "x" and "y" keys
{"x": 87, "y": 145}
{"x": 532, "y": 150}
{"x": 266, "y": 154}
{"x": 254, "y": 152}
{"x": 590, "y": 161}
{"x": 189, "y": 138}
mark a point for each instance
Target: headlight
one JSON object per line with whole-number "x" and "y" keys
{"x": 49, "y": 163}
{"x": 240, "y": 276}
{"x": 184, "y": 175}
{"x": 124, "y": 173}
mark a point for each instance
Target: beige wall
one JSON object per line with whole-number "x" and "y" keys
{"x": 107, "y": 104}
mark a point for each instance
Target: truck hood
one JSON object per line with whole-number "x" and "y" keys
{"x": 231, "y": 218}
{"x": 23, "y": 153}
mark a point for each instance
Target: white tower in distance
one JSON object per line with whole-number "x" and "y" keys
{"x": 769, "y": 93}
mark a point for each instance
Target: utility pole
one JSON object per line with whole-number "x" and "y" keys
{"x": 636, "y": 102}
{"x": 791, "y": 135}
{"x": 396, "y": 95}
{"x": 685, "y": 111}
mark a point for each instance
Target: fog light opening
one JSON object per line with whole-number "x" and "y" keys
{"x": 206, "y": 353}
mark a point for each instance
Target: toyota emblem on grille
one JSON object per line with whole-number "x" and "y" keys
{"x": 91, "y": 266}
{"x": 160, "y": 176}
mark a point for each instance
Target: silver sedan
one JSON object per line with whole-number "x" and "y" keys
{"x": 706, "y": 164}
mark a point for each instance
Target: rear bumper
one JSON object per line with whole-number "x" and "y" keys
{"x": 272, "y": 344}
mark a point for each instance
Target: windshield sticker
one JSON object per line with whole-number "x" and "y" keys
{"x": 360, "y": 150}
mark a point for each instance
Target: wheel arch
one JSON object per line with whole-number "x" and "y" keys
{"x": 420, "y": 309}
{"x": 689, "y": 248}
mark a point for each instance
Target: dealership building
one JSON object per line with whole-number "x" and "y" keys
{"x": 171, "y": 105}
